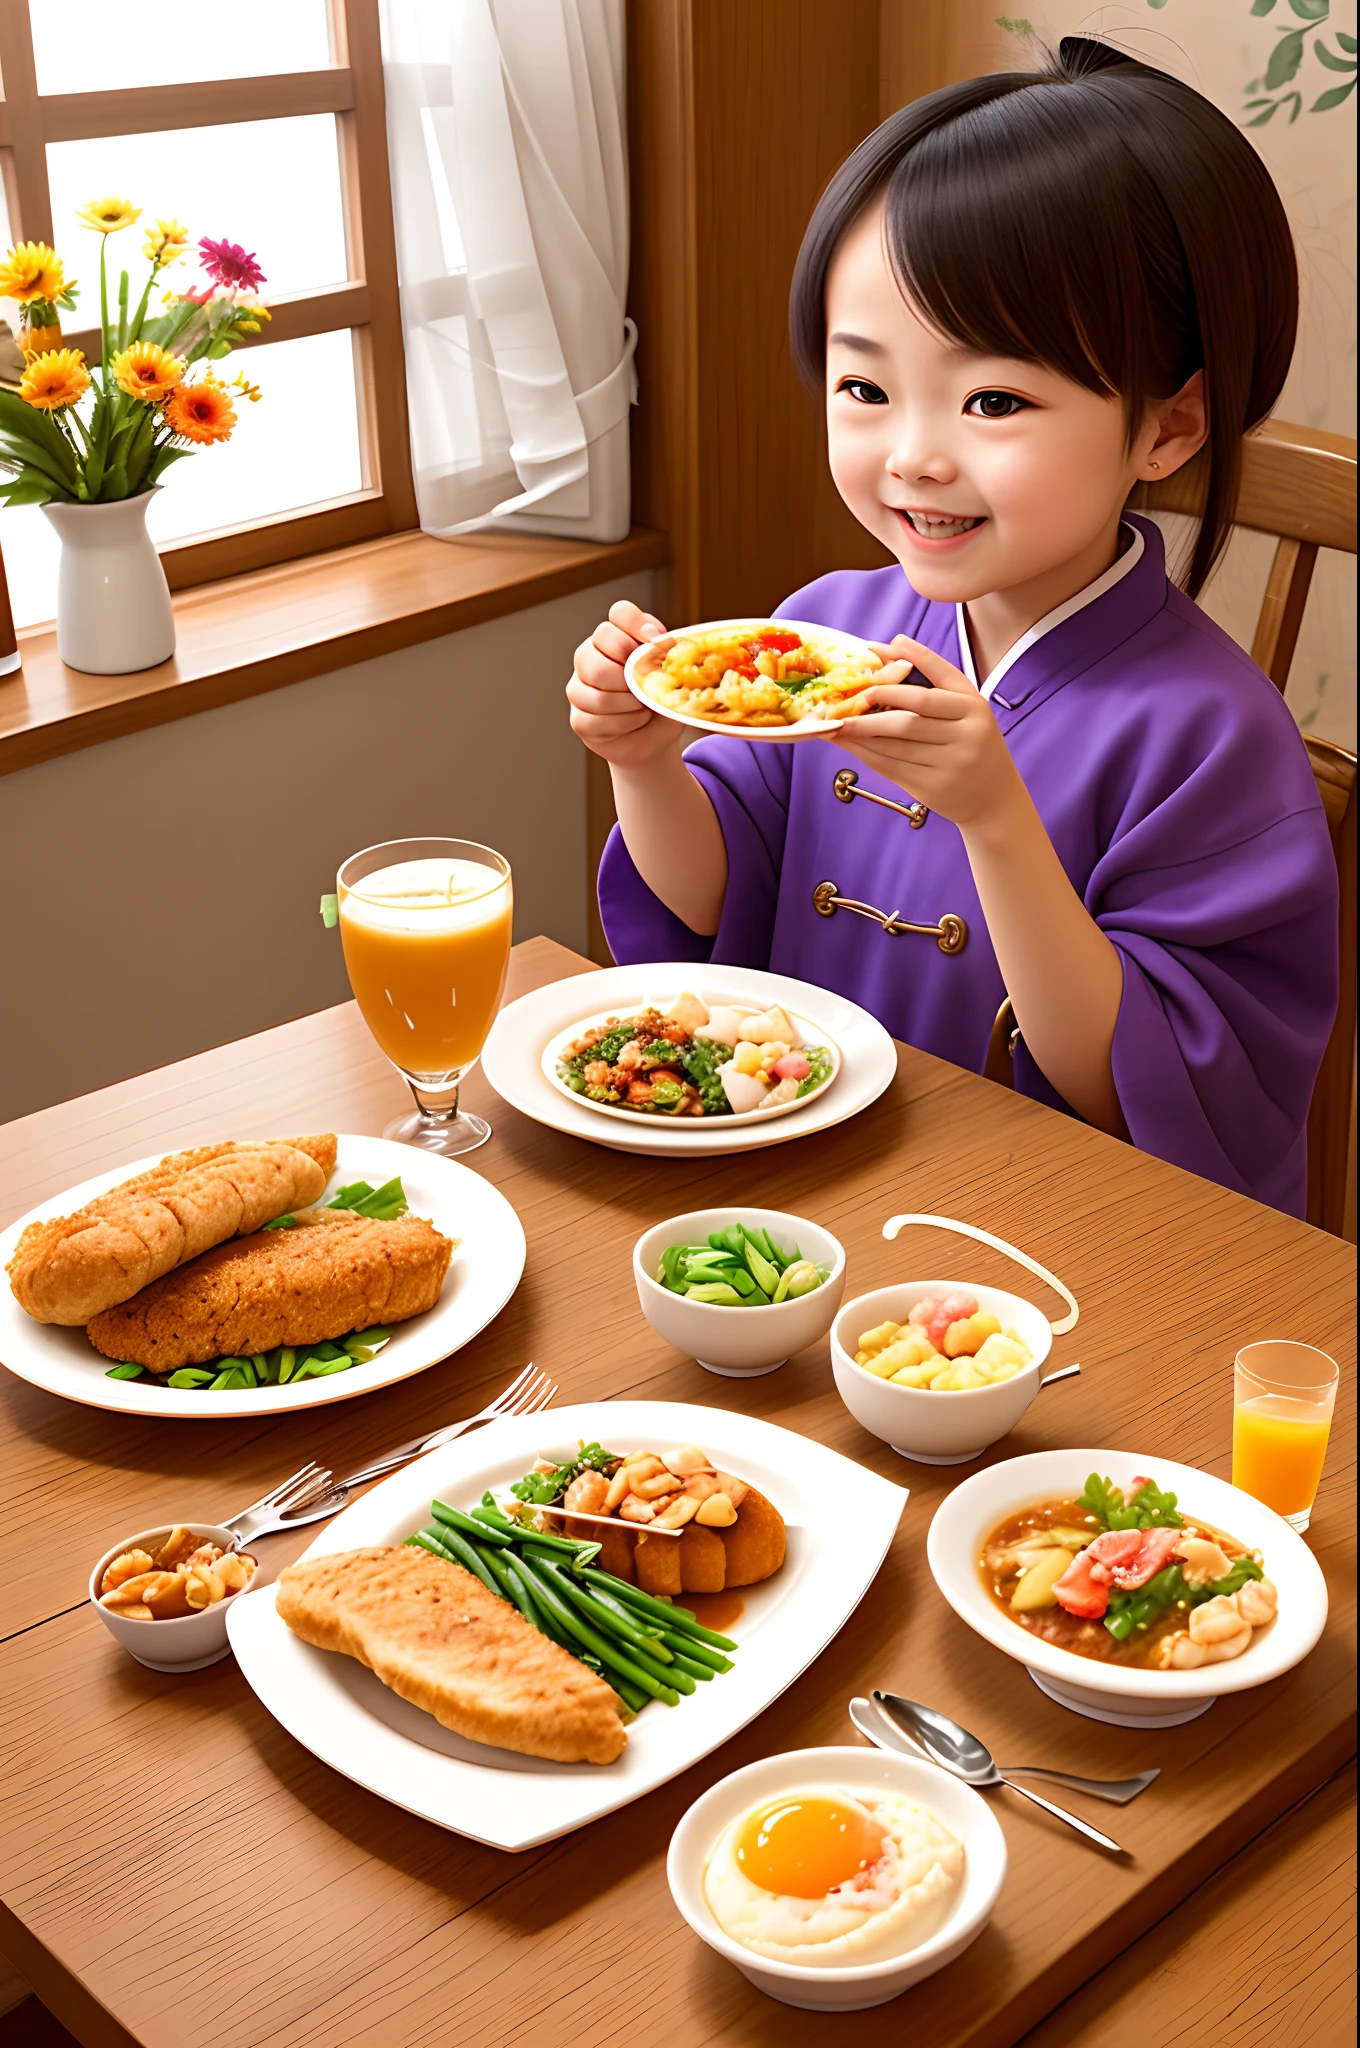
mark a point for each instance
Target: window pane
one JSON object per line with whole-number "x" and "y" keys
{"x": 273, "y": 186}
{"x": 78, "y": 48}
{"x": 298, "y": 447}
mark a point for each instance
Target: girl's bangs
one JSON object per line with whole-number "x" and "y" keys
{"x": 1012, "y": 231}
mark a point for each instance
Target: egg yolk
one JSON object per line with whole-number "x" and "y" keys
{"x": 804, "y": 1847}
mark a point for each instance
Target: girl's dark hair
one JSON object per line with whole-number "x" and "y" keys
{"x": 1096, "y": 216}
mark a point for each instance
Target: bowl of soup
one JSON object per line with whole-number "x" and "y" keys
{"x": 1133, "y": 1589}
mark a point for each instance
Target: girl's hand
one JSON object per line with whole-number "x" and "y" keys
{"x": 942, "y": 745}
{"x": 604, "y": 712}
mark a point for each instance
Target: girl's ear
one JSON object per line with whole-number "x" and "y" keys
{"x": 1174, "y": 429}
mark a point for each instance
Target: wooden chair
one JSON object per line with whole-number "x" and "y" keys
{"x": 1298, "y": 483}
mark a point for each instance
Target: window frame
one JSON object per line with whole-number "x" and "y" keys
{"x": 367, "y": 303}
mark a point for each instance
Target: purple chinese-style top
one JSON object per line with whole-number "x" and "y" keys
{"x": 1178, "y": 794}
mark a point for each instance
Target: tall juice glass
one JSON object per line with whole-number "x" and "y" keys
{"x": 1284, "y": 1394}
{"x": 425, "y": 925}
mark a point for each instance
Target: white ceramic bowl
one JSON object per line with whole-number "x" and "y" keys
{"x": 1129, "y": 1698}
{"x": 189, "y": 1644}
{"x": 936, "y": 1429}
{"x": 961, "y": 1810}
{"x": 740, "y": 1343}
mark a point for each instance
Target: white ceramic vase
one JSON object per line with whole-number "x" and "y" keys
{"x": 113, "y": 603}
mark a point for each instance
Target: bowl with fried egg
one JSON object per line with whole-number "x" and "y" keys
{"x": 834, "y": 1879}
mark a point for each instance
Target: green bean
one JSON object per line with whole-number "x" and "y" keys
{"x": 481, "y": 1531}
{"x": 695, "y": 1652}
{"x": 425, "y": 1541}
{"x": 673, "y": 1617}
{"x": 680, "y": 1662}
{"x": 654, "y": 1658}
{"x": 506, "y": 1578}
{"x": 468, "y": 1556}
{"x": 566, "y": 1617}
{"x": 595, "y": 1611}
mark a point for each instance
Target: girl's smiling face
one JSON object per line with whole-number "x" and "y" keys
{"x": 982, "y": 474}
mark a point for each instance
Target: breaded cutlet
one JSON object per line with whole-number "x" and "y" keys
{"x": 436, "y": 1636}
{"x": 332, "y": 1273}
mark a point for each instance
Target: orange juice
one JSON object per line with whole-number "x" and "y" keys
{"x": 427, "y": 943}
{"x": 1278, "y": 1449}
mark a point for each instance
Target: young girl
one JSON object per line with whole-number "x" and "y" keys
{"x": 1025, "y": 294}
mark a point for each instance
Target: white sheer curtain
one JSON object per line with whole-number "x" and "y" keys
{"x": 506, "y": 129}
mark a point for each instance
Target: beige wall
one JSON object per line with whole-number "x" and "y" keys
{"x": 162, "y": 889}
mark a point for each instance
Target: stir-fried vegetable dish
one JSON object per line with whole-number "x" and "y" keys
{"x": 690, "y": 1060}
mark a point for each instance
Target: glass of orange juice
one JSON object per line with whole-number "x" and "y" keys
{"x": 425, "y": 925}
{"x": 1282, "y": 1416}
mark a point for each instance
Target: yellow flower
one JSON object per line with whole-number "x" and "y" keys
{"x": 31, "y": 271}
{"x": 165, "y": 243}
{"x": 146, "y": 371}
{"x": 201, "y": 412}
{"x": 240, "y": 382}
{"x": 55, "y": 380}
{"x": 109, "y": 214}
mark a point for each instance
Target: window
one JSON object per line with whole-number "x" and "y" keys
{"x": 264, "y": 126}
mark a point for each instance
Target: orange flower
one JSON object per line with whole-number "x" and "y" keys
{"x": 146, "y": 371}
{"x": 201, "y": 412}
{"x": 31, "y": 271}
{"x": 55, "y": 380}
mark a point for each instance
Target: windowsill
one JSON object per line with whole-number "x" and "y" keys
{"x": 248, "y": 634}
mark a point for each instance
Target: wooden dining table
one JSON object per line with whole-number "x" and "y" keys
{"x": 177, "y": 1871}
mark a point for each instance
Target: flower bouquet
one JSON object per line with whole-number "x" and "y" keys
{"x": 81, "y": 443}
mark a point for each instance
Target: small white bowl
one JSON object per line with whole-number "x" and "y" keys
{"x": 740, "y": 1343}
{"x": 856, "y": 1987}
{"x": 1129, "y": 1698}
{"x": 188, "y": 1644}
{"x": 936, "y": 1429}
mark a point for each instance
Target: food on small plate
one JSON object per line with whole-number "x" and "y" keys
{"x": 827, "y": 1878}
{"x": 433, "y": 1633}
{"x": 948, "y": 1344}
{"x": 740, "y": 1266}
{"x": 75, "y": 1267}
{"x": 729, "y": 1533}
{"x": 755, "y": 675}
{"x": 181, "y": 1576}
{"x": 646, "y": 1647}
{"x": 690, "y": 1058}
{"x": 331, "y": 1273}
{"x": 1128, "y": 1580}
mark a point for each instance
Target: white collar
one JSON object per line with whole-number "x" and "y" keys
{"x": 1130, "y": 559}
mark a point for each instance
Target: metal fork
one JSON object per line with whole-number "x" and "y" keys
{"x": 524, "y": 1396}
{"x": 307, "y": 1485}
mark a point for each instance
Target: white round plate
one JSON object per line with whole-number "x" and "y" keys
{"x": 967, "y": 1516}
{"x": 652, "y": 652}
{"x": 553, "y": 1050}
{"x": 840, "y": 1520}
{"x": 482, "y": 1276}
{"x": 513, "y": 1057}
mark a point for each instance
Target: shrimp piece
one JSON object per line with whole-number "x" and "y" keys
{"x": 587, "y": 1494}
{"x": 1181, "y": 1653}
{"x": 630, "y": 1055}
{"x": 596, "y": 1074}
{"x": 1257, "y": 1602}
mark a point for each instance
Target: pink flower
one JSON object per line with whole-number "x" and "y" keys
{"x": 229, "y": 263}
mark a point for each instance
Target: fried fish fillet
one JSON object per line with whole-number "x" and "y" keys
{"x": 334, "y": 1272}
{"x": 71, "y": 1268}
{"x": 435, "y": 1635}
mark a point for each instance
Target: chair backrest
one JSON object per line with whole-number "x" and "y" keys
{"x": 1298, "y": 483}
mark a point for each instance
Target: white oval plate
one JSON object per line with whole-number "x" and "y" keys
{"x": 513, "y": 1057}
{"x": 553, "y": 1050}
{"x": 841, "y": 1519}
{"x": 967, "y": 1516}
{"x": 651, "y": 653}
{"x": 484, "y": 1273}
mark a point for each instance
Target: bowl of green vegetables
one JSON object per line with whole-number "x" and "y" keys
{"x": 740, "y": 1290}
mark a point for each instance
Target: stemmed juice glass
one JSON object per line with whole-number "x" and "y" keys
{"x": 425, "y": 925}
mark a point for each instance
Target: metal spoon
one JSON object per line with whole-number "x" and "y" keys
{"x": 1119, "y": 1791}
{"x": 922, "y": 1732}
{"x": 1066, "y": 1372}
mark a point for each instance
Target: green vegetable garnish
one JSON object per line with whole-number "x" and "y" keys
{"x": 1149, "y": 1508}
{"x": 383, "y": 1204}
{"x": 542, "y": 1489}
{"x": 276, "y": 1368}
{"x": 701, "y": 1064}
{"x": 1171, "y": 1588}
